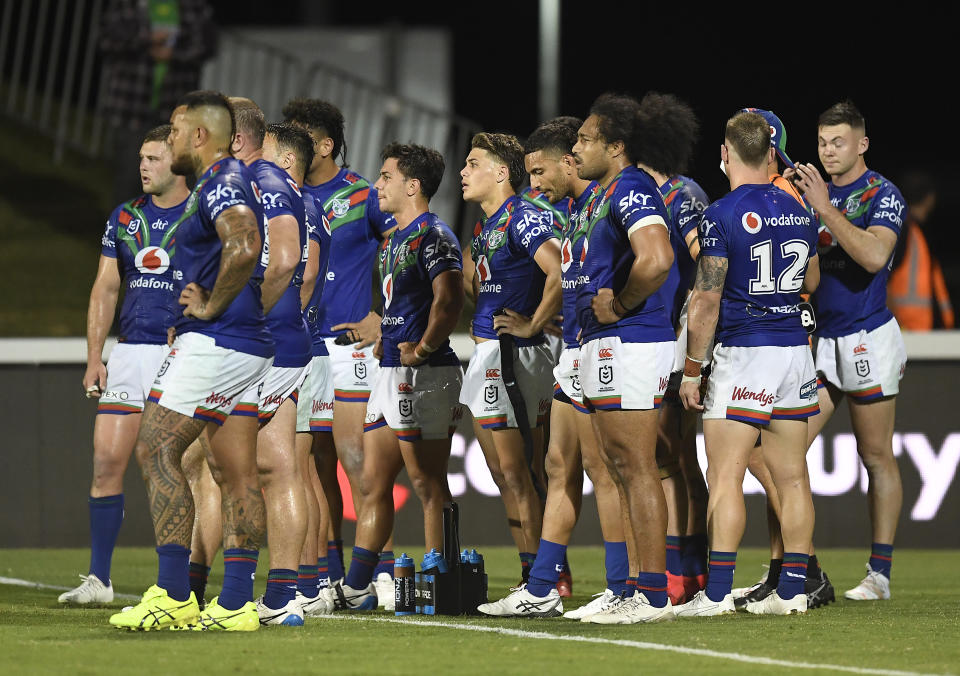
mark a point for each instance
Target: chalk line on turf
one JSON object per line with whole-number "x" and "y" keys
{"x": 16, "y": 582}
{"x": 642, "y": 645}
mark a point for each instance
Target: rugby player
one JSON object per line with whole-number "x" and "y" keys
{"x": 859, "y": 349}
{"x": 573, "y": 446}
{"x": 517, "y": 289}
{"x": 757, "y": 254}
{"x": 220, "y": 357}
{"x": 135, "y": 251}
{"x": 818, "y": 588}
{"x": 413, "y": 408}
{"x": 357, "y": 226}
{"x": 279, "y": 160}
{"x": 666, "y": 133}
{"x": 627, "y": 342}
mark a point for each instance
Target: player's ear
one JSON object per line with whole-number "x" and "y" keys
{"x": 569, "y": 164}
{"x": 325, "y": 147}
{"x": 413, "y": 187}
{"x": 503, "y": 173}
{"x": 200, "y": 136}
{"x": 616, "y": 148}
{"x": 863, "y": 144}
{"x": 237, "y": 144}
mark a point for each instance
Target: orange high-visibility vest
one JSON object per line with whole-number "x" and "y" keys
{"x": 916, "y": 286}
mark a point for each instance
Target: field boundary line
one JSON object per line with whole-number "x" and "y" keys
{"x": 17, "y": 582}
{"x": 641, "y": 645}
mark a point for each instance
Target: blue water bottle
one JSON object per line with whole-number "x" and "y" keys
{"x": 404, "y": 586}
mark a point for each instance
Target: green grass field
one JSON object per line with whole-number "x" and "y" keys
{"x": 917, "y": 631}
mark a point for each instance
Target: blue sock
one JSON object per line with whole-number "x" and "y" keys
{"x": 308, "y": 581}
{"x": 654, "y": 587}
{"x": 335, "y": 559}
{"x": 793, "y": 575}
{"x": 199, "y": 574}
{"x": 546, "y": 568}
{"x": 173, "y": 573}
{"x": 695, "y": 555}
{"x": 629, "y": 588}
{"x": 526, "y": 562}
{"x": 385, "y": 565}
{"x": 674, "y": 555}
{"x": 881, "y": 558}
{"x": 106, "y": 515}
{"x": 323, "y": 572}
{"x": 281, "y": 588}
{"x": 239, "y": 567}
{"x": 361, "y": 568}
{"x": 566, "y": 565}
{"x": 617, "y": 565}
{"x": 720, "y": 577}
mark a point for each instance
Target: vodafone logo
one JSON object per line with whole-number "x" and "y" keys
{"x": 483, "y": 268}
{"x": 751, "y": 222}
{"x": 583, "y": 252}
{"x": 387, "y": 290}
{"x": 152, "y": 260}
{"x": 294, "y": 186}
{"x": 566, "y": 255}
{"x": 825, "y": 240}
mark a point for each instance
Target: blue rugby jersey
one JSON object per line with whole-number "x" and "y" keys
{"x": 281, "y": 197}
{"x": 242, "y": 327}
{"x": 571, "y": 252}
{"x": 142, "y": 237}
{"x": 356, "y": 227}
{"x": 318, "y": 230}
{"x": 503, "y": 248}
{"x": 685, "y": 201}
{"x": 632, "y": 199}
{"x": 850, "y": 299}
{"x": 409, "y": 261}
{"x": 767, "y": 238}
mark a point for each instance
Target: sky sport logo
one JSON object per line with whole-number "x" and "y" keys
{"x": 152, "y": 260}
{"x": 751, "y": 222}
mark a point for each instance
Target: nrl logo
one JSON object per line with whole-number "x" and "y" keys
{"x": 340, "y": 207}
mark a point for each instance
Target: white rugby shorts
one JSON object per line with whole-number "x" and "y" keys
{"x": 202, "y": 380}
{"x": 567, "y": 376}
{"x": 486, "y": 396}
{"x": 281, "y": 383}
{"x": 130, "y": 373}
{"x": 555, "y": 345}
{"x": 759, "y": 384}
{"x": 416, "y": 402}
{"x": 315, "y": 402}
{"x": 354, "y": 371}
{"x": 624, "y": 376}
{"x": 866, "y": 365}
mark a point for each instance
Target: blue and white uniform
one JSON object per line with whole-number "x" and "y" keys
{"x": 503, "y": 249}
{"x": 142, "y": 238}
{"x": 624, "y": 365}
{"x": 762, "y": 364}
{"x": 859, "y": 346}
{"x": 217, "y": 367}
{"x": 417, "y": 402}
{"x": 357, "y": 225}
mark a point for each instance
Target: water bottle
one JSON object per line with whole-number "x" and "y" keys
{"x": 404, "y": 587}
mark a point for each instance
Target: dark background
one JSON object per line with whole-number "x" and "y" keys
{"x": 898, "y": 66}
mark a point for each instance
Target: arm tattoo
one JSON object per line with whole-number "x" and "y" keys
{"x": 163, "y": 438}
{"x": 237, "y": 228}
{"x": 711, "y": 273}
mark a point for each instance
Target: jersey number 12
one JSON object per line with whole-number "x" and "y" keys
{"x": 791, "y": 279}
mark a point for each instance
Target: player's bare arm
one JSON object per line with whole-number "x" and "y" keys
{"x": 284, "y": 256}
{"x": 365, "y": 332}
{"x": 103, "y": 305}
{"x": 811, "y": 278}
{"x": 702, "y": 317}
{"x": 653, "y": 257}
{"x": 310, "y": 273}
{"x": 870, "y": 248}
{"x": 547, "y": 258}
{"x": 444, "y": 315}
{"x": 470, "y": 281}
{"x": 693, "y": 244}
{"x": 240, "y": 238}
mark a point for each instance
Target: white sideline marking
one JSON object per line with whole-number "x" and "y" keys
{"x": 642, "y": 645}
{"x": 16, "y": 582}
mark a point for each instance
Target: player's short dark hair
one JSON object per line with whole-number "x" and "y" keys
{"x": 248, "y": 119}
{"x": 665, "y": 134}
{"x": 507, "y": 149}
{"x": 206, "y": 98}
{"x": 749, "y": 134}
{"x": 843, "y": 113}
{"x": 293, "y": 139}
{"x": 320, "y": 116}
{"x": 419, "y": 162}
{"x": 552, "y": 135}
{"x": 617, "y": 119}
{"x": 567, "y": 120}
{"x": 161, "y": 133}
